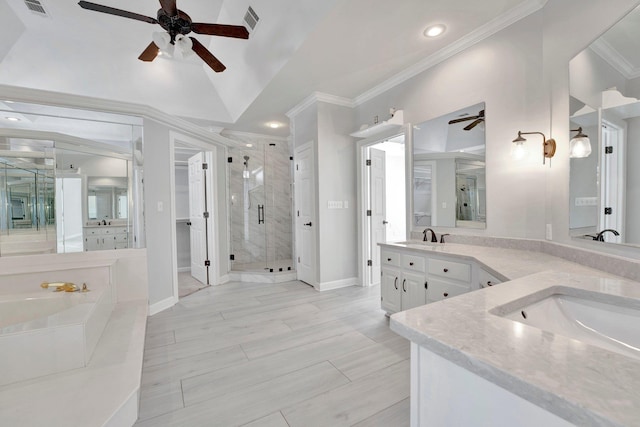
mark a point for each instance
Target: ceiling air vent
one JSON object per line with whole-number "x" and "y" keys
{"x": 36, "y": 6}
{"x": 250, "y": 18}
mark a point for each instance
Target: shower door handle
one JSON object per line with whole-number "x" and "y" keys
{"x": 260, "y": 214}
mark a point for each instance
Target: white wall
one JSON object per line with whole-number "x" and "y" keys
{"x": 157, "y": 189}
{"x": 632, "y": 225}
{"x": 336, "y": 171}
{"x": 504, "y": 72}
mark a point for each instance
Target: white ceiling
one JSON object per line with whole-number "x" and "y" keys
{"x": 338, "y": 47}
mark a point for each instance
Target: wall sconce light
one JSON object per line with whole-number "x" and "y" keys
{"x": 580, "y": 145}
{"x": 518, "y": 150}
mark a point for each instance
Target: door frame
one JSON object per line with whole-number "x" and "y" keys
{"x": 364, "y": 273}
{"x": 212, "y": 189}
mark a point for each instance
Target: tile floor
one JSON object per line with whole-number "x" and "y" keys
{"x": 188, "y": 285}
{"x": 253, "y": 354}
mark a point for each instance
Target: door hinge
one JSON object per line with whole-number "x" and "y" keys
{"x": 369, "y": 263}
{"x": 368, "y": 162}
{"x": 207, "y": 263}
{"x": 368, "y": 212}
{"x": 608, "y": 211}
{"x": 205, "y": 166}
{"x": 232, "y": 257}
{"x": 298, "y": 260}
{"x": 297, "y": 168}
{"x": 205, "y": 214}
{"x": 298, "y": 213}
{"x": 229, "y": 159}
{"x": 608, "y": 149}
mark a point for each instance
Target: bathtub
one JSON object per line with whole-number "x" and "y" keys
{"x": 46, "y": 332}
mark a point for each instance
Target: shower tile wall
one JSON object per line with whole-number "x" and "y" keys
{"x": 268, "y": 184}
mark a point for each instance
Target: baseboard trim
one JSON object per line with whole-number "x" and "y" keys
{"x": 184, "y": 269}
{"x": 162, "y": 305}
{"x": 337, "y": 284}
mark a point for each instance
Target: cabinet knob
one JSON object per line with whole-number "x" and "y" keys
{"x": 489, "y": 283}
{"x": 410, "y": 263}
{"x": 446, "y": 270}
{"x": 426, "y": 285}
{"x": 388, "y": 259}
{"x": 446, "y": 294}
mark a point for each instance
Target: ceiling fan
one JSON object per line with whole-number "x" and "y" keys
{"x": 476, "y": 120}
{"x": 177, "y": 24}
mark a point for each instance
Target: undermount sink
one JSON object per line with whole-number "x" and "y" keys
{"x": 420, "y": 243}
{"x": 589, "y": 318}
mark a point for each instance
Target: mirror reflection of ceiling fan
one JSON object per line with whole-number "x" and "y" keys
{"x": 177, "y": 25}
{"x": 476, "y": 120}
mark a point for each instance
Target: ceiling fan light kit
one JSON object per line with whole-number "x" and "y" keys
{"x": 177, "y": 25}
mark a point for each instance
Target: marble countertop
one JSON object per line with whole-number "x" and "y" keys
{"x": 584, "y": 384}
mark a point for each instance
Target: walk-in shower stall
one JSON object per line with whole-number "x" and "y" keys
{"x": 260, "y": 200}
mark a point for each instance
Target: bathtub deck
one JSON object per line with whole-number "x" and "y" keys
{"x": 105, "y": 393}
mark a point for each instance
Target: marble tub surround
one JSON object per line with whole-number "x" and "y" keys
{"x": 581, "y": 383}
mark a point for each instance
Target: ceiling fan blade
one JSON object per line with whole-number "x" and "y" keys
{"x": 463, "y": 119}
{"x": 235, "y": 31}
{"x": 473, "y": 124}
{"x": 207, "y": 56}
{"x": 169, "y": 6}
{"x": 149, "y": 53}
{"x": 118, "y": 12}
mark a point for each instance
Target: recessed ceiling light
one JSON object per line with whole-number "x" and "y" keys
{"x": 249, "y": 145}
{"x": 274, "y": 125}
{"x": 12, "y": 119}
{"x": 434, "y": 30}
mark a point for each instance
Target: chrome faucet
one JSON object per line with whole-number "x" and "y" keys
{"x": 600, "y": 236}
{"x": 433, "y": 235}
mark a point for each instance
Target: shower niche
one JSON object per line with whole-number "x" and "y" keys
{"x": 260, "y": 204}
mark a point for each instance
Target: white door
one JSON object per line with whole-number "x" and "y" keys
{"x": 198, "y": 205}
{"x": 377, "y": 205}
{"x": 305, "y": 221}
{"x": 612, "y": 183}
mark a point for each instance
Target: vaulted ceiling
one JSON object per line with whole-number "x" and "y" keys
{"x": 338, "y": 47}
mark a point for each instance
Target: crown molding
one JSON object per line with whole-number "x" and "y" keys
{"x": 614, "y": 58}
{"x": 38, "y": 96}
{"x": 495, "y": 25}
{"x": 227, "y": 133}
{"x": 316, "y": 97}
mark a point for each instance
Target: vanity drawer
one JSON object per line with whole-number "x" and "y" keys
{"x": 450, "y": 269}
{"x": 437, "y": 290}
{"x": 390, "y": 258}
{"x": 413, "y": 262}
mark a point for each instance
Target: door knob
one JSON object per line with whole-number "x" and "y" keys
{"x": 384, "y": 222}
{"x": 308, "y": 224}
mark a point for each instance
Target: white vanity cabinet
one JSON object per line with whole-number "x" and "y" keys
{"x": 447, "y": 278}
{"x": 105, "y": 237}
{"x": 411, "y": 279}
{"x": 403, "y": 281}
{"x": 486, "y": 279}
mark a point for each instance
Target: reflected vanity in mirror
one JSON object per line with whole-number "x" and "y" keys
{"x": 68, "y": 192}
{"x": 605, "y": 186}
{"x": 449, "y": 185}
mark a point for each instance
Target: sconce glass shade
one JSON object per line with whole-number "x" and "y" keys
{"x": 519, "y": 149}
{"x": 580, "y": 145}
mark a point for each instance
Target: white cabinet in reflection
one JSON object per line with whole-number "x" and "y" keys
{"x": 105, "y": 237}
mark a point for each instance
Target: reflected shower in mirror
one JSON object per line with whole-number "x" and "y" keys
{"x": 449, "y": 186}
{"x": 605, "y": 87}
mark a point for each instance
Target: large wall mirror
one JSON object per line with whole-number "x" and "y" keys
{"x": 70, "y": 180}
{"x": 449, "y": 179}
{"x": 605, "y": 185}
